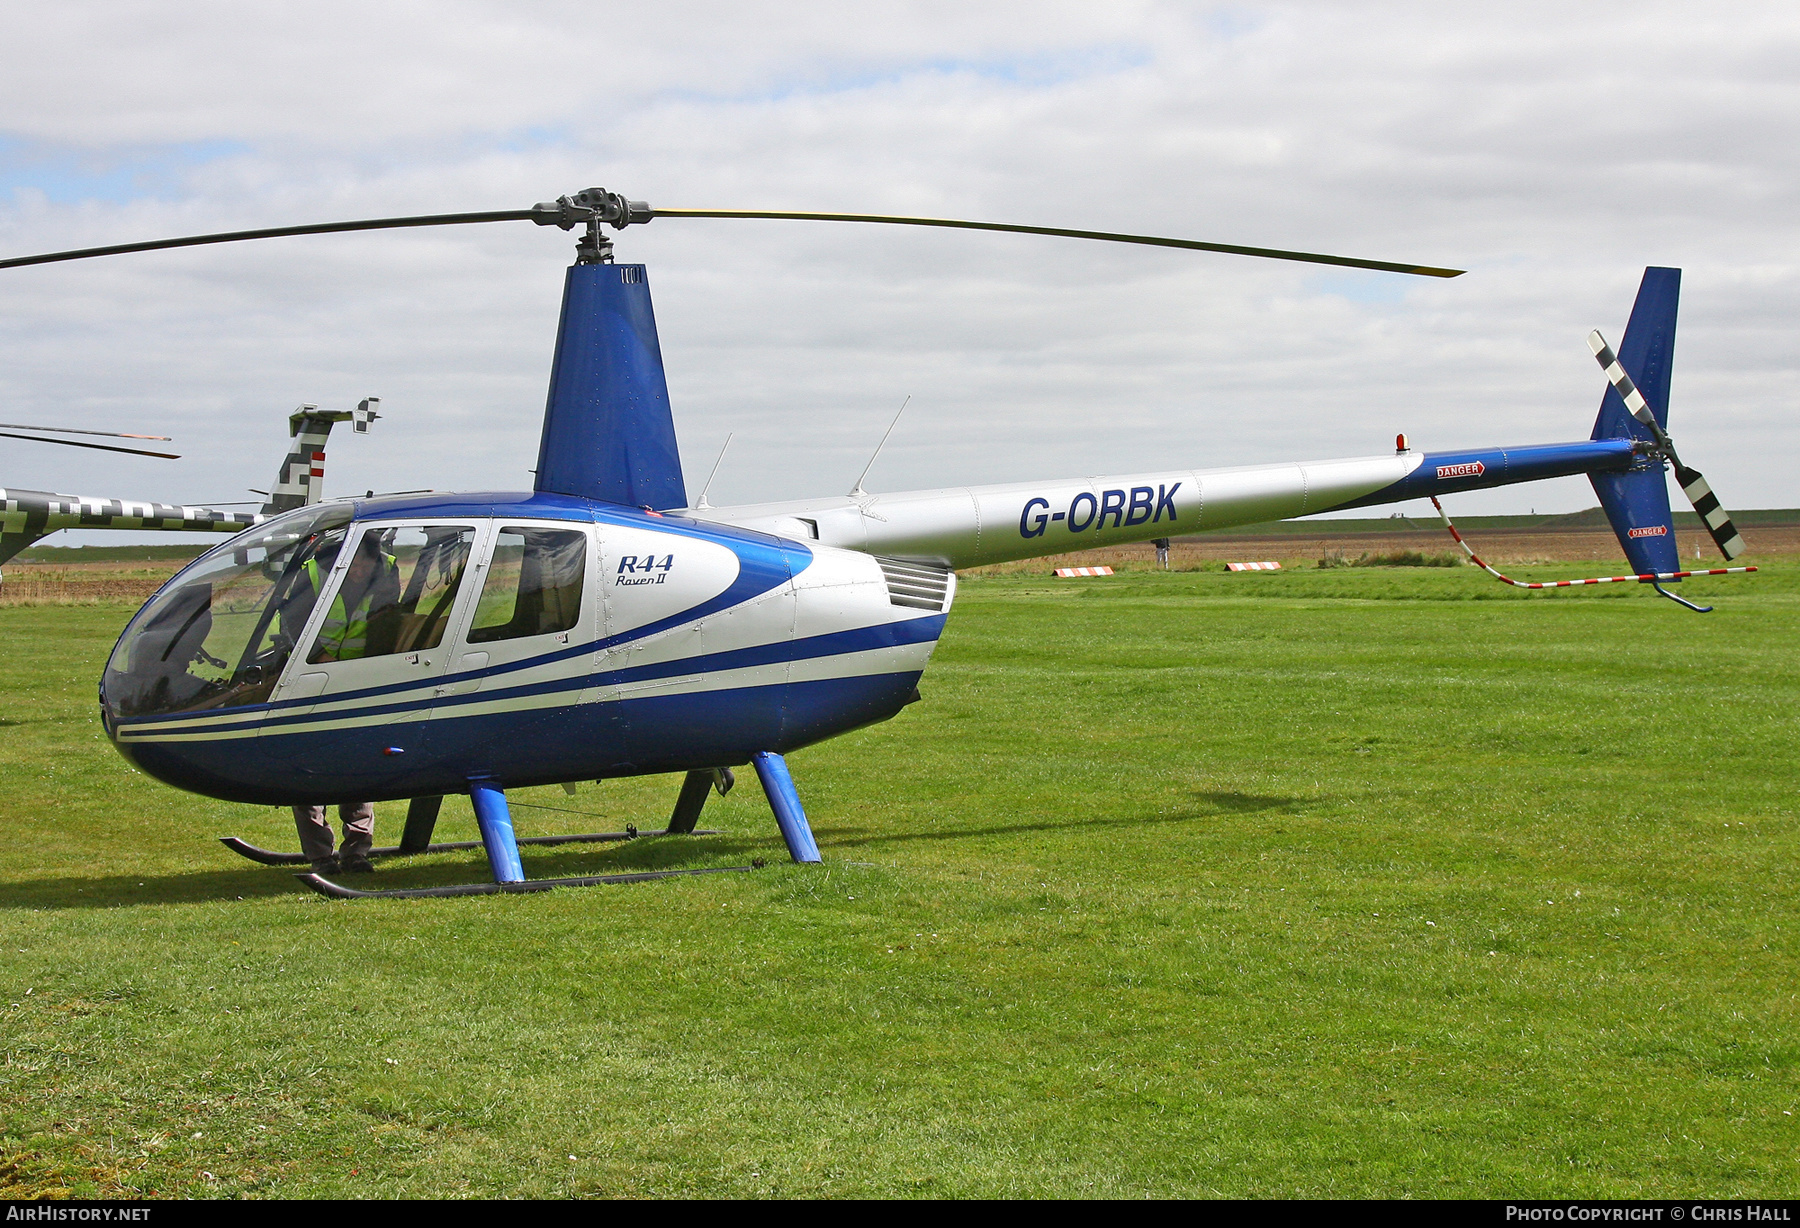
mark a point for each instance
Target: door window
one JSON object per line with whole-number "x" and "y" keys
{"x": 395, "y": 594}
{"x": 534, "y": 584}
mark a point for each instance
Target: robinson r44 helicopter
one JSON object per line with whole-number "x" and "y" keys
{"x": 602, "y": 625}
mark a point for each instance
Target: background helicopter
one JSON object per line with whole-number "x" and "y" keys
{"x": 601, "y": 625}
{"x": 28, "y": 516}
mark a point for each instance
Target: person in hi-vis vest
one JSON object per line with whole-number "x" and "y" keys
{"x": 361, "y": 622}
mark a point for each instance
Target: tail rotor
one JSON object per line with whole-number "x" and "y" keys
{"x": 1693, "y": 482}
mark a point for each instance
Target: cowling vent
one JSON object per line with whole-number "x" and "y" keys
{"x": 918, "y": 586}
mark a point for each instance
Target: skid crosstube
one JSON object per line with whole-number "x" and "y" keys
{"x": 269, "y": 857}
{"x": 326, "y": 887}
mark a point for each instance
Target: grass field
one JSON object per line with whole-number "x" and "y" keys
{"x": 1338, "y": 883}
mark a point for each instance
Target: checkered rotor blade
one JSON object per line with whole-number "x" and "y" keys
{"x": 1693, "y": 483}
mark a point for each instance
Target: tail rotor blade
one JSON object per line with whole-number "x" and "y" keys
{"x": 1706, "y": 505}
{"x": 1621, "y": 382}
{"x": 1693, "y": 484}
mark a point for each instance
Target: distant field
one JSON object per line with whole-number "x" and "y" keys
{"x": 180, "y": 551}
{"x": 1353, "y": 882}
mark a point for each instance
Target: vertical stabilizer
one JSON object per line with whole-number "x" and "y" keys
{"x": 302, "y": 477}
{"x": 1637, "y": 500}
{"x": 608, "y": 432}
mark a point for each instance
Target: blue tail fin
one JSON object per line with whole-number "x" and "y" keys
{"x": 608, "y": 433}
{"x": 1637, "y": 500}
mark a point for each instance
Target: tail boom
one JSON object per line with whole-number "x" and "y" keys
{"x": 971, "y": 526}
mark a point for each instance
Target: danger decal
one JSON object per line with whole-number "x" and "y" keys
{"x": 1470, "y": 469}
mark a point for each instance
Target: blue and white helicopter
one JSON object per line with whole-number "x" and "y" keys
{"x": 604, "y": 625}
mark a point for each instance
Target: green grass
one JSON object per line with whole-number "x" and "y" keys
{"x": 1393, "y": 558}
{"x": 1337, "y": 883}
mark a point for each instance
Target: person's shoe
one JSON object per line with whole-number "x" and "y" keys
{"x": 354, "y": 864}
{"x": 326, "y": 865}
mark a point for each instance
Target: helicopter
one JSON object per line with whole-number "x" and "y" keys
{"x": 604, "y": 625}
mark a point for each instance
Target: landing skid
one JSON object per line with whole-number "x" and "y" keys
{"x": 326, "y": 887}
{"x": 269, "y": 857}
{"x": 488, "y": 799}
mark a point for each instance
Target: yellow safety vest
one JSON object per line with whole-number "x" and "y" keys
{"x": 344, "y": 635}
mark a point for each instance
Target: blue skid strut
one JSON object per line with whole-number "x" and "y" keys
{"x": 772, "y": 770}
{"x": 495, "y": 821}
{"x": 502, "y": 846}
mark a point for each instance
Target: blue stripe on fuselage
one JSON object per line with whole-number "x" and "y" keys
{"x": 1447, "y": 473}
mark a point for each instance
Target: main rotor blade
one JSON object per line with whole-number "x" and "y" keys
{"x": 69, "y": 430}
{"x": 596, "y": 205}
{"x": 276, "y": 232}
{"x": 1693, "y": 484}
{"x": 1272, "y": 253}
{"x": 101, "y": 447}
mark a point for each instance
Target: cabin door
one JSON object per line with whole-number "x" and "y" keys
{"x": 376, "y": 645}
{"x": 511, "y": 696}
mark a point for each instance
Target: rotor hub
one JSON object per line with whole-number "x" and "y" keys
{"x": 591, "y": 208}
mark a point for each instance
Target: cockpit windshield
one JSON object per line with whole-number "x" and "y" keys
{"x": 220, "y": 633}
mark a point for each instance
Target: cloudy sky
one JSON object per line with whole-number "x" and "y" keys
{"x": 1552, "y": 150}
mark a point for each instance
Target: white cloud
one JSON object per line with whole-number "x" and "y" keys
{"x": 1552, "y": 152}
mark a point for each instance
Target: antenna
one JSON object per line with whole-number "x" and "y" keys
{"x": 857, "y": 491}
{"x": 702, "y": 505}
